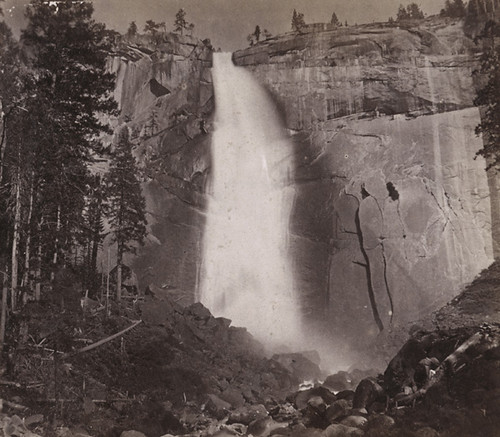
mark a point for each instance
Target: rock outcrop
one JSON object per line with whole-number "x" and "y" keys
{"x": 165, "y": 95}
{"x": 392, "y": 211}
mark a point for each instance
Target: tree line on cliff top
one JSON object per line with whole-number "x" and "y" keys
{"x": 55, "y": 192}
{"x": 156, "y": 30}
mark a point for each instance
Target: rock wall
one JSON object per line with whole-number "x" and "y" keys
{"x": 165, "y": 95}
{"x": 392, "y": 211}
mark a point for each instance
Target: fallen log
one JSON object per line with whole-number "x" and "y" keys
{"x": 14, "y": 406}
{"x": 95, "y": 401}
{"x": 101, "y": 342}
{"x": 9, "y": 383}
{"x": 475, "y": 346}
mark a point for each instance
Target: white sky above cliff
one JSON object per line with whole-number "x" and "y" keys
{"x": 228, "y": 22}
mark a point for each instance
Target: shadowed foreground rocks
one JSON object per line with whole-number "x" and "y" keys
{"x": 183, "y": 372}
{"x": 176, "y": 371}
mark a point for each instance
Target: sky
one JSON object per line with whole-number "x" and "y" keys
{"x": 228, "y": 22}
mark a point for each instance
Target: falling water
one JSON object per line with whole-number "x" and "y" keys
{"x": 246, "y": 272}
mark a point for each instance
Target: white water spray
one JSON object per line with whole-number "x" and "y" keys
{"x": 246, "y": 271}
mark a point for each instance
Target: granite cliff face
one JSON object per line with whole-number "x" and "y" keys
{"x": 392, "y": 213}
{"x": 165, "y": 95}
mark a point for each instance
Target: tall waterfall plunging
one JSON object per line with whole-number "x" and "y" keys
{"x": 246, "y": 271}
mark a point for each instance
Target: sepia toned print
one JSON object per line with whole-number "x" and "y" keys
{"x": 254, "y": 218}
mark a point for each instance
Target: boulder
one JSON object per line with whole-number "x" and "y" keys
{"x": 15, "y": 426}
{"x": 247, "y": 414}
{"x": 285, "y": 412}
{"x": 337, "y": 410}
{"x": 33, "y": 419}
{"x": 379, "y": 424}
{"x": 300, "y": 430}
{"x": 233, "y": 396}
{"x": 367, "y": 392}
{"x": 339, "y": 430}
{"x": 426, "y": 431}
{"x": 198, "y": 311}
{"x": 302, "y": 397}
{"x": 354, "y": 421}
{"x": 264, "y": 426}
{"x": 345, "y": 394}
{"x": 217, "y": 407}
{"x": 317, "y": 403}
{"x": 339, "y": 381}
{"x": 236, "y": 428}
{"x": 132, "y": 434}
{"x": 314, "y": 413}
{"x": 301, "y": 367}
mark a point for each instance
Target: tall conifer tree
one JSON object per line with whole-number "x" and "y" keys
{"x": 488, "y": 98}
{"x": 73, "y": 91}
{"x": 126, "y": 203}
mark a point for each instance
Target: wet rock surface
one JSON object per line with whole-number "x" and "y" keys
{"x": 392, "y": 213}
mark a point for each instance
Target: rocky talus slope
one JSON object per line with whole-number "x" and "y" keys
{"x": 181, "y": 372}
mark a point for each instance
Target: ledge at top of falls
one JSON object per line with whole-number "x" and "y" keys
{"x": 368, "y": 44}
{"x": 391, "y": 68}
{"x": 135, "y": 47}
{"x": 162, "y": 74}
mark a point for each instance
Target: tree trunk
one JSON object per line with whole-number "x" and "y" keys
{"x": 27, "y": 251}
{"x": 96, "y": 238}
{"x": 107, "y": 283}
{"x": 38, "y": 274}
{"x": 3, "y": 141}
{"x": 56, "y": 244}
{"x": 3, "y": 315}
{"x": 93, "y": 262}
{"x": 15, "y": 244}
{"x": 119, "y": 273}
{"x": 87, "y": 280}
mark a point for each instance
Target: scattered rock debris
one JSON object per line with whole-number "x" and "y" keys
{"x": 183, "y": 372}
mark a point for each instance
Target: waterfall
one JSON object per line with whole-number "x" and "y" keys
{"x": 246, "y": 271}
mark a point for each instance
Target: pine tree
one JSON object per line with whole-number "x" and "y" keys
{"x": 257, "y": 33}
{"x": 93, "y": 234}
{"x": 14, "y": 156}
{"x": 414, "y": 12}
{"x": 153, "y": 29}
{"x": 297, "y": 21}
{"x": 334, "y": 20}
{"x": 402, "y": 14}
{"x": 254, "y": 37}
{"x": 152, "y": 125}
{"x": 411, "y": 12}
{"x": 454, "y": 9}
{"x": 126, "y": 203}
{"x": 73, "y": 91}
{"x": 488, "y": 98}
{"x": 132, "y": 30}
{"x": 180, "y": 23}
